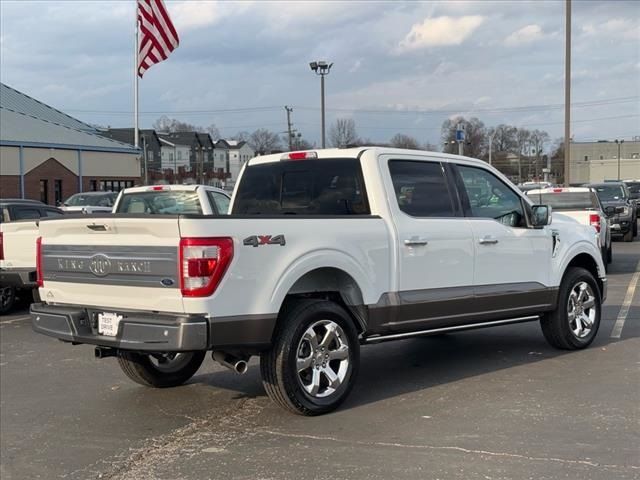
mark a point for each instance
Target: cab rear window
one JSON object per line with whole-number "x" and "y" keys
{"x": 305, "y": 187}
{"x": 161, "y": 202}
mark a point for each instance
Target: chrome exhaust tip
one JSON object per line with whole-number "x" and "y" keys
{"x": 237, "y": 365}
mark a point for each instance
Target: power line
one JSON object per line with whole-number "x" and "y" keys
{"x": 526, "y": 108}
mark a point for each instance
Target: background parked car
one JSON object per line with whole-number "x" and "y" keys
{"x": 634, "y": 192}
{"x": 583, "y": 205}
{"x": 18, "y": 234}
{"x": 616, "y": 199}
{"x": 90, "y": 202}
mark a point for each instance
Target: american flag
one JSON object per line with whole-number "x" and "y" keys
{"x": 158, "y": 36}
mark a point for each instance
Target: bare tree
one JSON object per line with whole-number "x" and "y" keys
{"x": 430, "y": 147}
{"x": 504, "y": 138}
{"x": 264, "y": 141}
{"x": 242, "y": 136}
{"x": 171, "y": 125}
{"x": 213, "y": 131}
{"x": 343, "y": 133}
{"x": 400, "y": 140}
{"x": 475, "y": 136}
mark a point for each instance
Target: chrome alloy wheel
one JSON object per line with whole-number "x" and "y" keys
{"x": 322, "y": 358}
{"x": 581, "y": 309}
{"x": 170, "y": 362}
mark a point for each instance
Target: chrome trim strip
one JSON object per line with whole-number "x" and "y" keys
{"x": 469, "y": 326}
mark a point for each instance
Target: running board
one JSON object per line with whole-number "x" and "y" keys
{"x": 470, "y": 326}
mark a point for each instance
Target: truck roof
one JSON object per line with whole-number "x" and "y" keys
{"x": 559, "y": 190}
{"x": 171, "y": 188}
{"x": 356, "y": 151}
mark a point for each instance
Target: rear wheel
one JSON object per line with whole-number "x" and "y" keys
{"x": 628, "y": 237}
{"x": 160, "y": 370}
{"x": 7, "y": 299}
{"x": 314, "y": 360}
{"x": 575, "y": 321}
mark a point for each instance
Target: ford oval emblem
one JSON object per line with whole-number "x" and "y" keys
{"x": 167, "y": 282}
{"x": 100, "y": 265}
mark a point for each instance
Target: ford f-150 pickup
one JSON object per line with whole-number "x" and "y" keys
{"x": 323, "y": 251}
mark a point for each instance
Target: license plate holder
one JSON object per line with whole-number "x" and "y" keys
{"x": 108, "y": 323}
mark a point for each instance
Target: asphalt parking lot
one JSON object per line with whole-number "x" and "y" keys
{"x": 489, "y": 404}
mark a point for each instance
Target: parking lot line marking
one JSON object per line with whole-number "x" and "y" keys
{"x": 626, "y": 304}
{"x": 14, "y": 320}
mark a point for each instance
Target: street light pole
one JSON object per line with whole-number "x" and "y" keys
{"x": 619, "y": 142}
{"x": 321, "y": 68}
{"x": 567, "y": 95}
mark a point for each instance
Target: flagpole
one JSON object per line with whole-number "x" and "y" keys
{"x": 135, "y": 86}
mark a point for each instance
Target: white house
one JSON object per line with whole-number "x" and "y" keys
{"x": 173, "y": 155}
{"x": 239, "y": 154}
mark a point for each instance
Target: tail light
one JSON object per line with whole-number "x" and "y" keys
{"x": 203, "y": 263}
{"x": 39, "y": 272}
{"x": 1, "y": 246}
{"x": 594, "y": 221}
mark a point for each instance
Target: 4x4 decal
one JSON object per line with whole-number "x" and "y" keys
{"x": 257, "y": 240}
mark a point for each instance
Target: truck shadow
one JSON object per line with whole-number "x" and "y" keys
{"x": 397, "y": 368}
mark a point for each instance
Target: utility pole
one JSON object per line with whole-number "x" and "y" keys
{"x": 289, "y": 126}
{"x": 567, "y": 95}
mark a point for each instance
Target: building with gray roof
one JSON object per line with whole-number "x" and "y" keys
{"x": 48, "y": 155}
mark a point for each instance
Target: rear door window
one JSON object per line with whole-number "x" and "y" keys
{"x": 26, "y": 213}
{"x": 219, "y": 202}
{"x": 421, "y": 188}
{"x": 305, "y": 187}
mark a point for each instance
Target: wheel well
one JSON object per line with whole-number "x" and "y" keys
{"x": 586, "y": 261}
{"x": 330, "y": 284}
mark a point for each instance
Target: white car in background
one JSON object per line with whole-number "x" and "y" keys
{"x": 89, "y": 202}
{"x": 173, "y": 200}
{"x": 583, "y": 205}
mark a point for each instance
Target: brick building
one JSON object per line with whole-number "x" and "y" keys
{"x": 47, "y": 155}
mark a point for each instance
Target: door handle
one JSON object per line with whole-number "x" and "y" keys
{"x": 415, "y": 241}
{"x": 488, "y": 240}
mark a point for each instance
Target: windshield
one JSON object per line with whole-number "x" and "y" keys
{"x": 80, "y": 200}
{"x": 160, "y": 202}
{"x": 566, "y": 200}
{"x": 307, "y": 187}
{"x": 610, "y": 193}
{"x": 634, "y": 189}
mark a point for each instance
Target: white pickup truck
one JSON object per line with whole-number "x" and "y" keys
{"x": 324, "y": 251}
{"x": 18, "y": 233}
{"x": 583, "y": 205}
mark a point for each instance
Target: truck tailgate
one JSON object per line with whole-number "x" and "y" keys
{"x": 112, "y": 261}
{"x": 19, "y": 244}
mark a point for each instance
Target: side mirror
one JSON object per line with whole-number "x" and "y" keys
{"x": 609, "y": 211}
{"x": 541, "y": 216}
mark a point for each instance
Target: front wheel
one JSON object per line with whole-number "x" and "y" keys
{"x": 575, "y": 321}
{"x": 628, "y": 237}
{"x": 160, "y": 370}
{"x": 7, "y": 299}
{"x": 313, "y": 362}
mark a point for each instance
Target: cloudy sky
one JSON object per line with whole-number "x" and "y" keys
{"x": 398, "y": 66}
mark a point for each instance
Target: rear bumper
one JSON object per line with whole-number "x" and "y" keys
{"x": 137, "y": 330}
{"x": 18, "y": 277}
{"x": 155, "y": 332}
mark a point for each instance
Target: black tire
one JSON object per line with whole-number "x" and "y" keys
{"x": 556, "y": 325}
{"x": 603, "y": 254}
{"x": 278, "y": 366}
{"x": 7, "y": 299}
{"x": 140, "y": 368}
{"x": 635, "y": 228}
{"x": 628, "y": 237}
{"x": 609, "y": 254}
